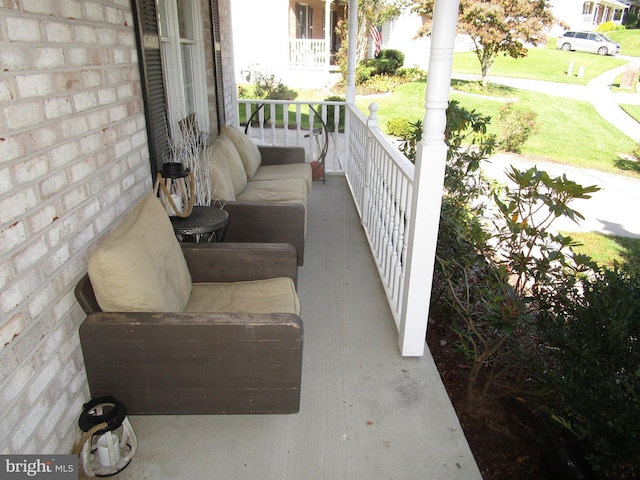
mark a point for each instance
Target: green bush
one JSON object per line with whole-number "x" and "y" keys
{"x": 331, "y": 113}
{"x": 630, "y": 20}
{"x": 399, "y": 127}
{"x": 395, "y": 55}
{"x": 269, "y": 87}
{"x": 606, "y": 27}
{"x": 411, "y": 74}
{"x": 593, "y": 365}
{"x": 516, "y": 126}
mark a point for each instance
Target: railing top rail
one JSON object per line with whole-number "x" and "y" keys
{"x": 404, "y": 164}
{"x": 290, "y": 102}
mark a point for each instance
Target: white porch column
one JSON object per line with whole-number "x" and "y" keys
{"x": 431, "y": 160}
{"x": 327, "y": 34}
{"x": 352, "y": 45}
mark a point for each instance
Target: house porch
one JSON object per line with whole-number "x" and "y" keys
{"x": 366, "y": 411}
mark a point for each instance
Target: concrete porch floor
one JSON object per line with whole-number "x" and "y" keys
{"x": 366, "y": 412}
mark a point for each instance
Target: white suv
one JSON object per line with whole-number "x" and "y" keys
{"x": 587, "y": 42}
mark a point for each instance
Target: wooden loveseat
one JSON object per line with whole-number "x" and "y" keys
{"x": 264, "y": 189}
{"x": 190, "y": 328}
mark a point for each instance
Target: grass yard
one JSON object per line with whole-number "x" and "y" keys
{"x": 629, "y": 41}
{"x": 607, "y": 249}
{"x": 633, "y": 110}
{"x": 569, "y": 132}
{"x": 546, "y": 64}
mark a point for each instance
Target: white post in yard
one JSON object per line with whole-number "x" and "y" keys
{"x": 431, "y": 158}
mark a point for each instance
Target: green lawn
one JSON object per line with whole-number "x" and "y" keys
{"x": 605, "y": 249}
{"x": 629, "y": 41}
{"x": 541, "y": 64}
{"x": 570, "y": 131}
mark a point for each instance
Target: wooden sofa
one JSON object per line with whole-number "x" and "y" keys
{"x": 190, "y": 328}
{"x": 264, "y": 189}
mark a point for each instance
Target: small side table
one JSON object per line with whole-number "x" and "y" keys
{"x": 204, "y": 223}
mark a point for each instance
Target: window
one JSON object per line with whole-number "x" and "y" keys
{"x": 172, "y": 72}
{"x": 183, "y": 60}
{"x": 304, "y": 21}
{"x": 587, "y": 8}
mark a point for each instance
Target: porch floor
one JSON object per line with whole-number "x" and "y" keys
{"x": 366, "y": 412}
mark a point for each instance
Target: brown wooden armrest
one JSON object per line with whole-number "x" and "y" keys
{"x": 191, "y": 363}
{"x": 281, "y": 155}
{"x": 236, "y": 262}
{"x": 267, "y": 223}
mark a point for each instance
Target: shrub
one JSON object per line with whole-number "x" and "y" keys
{"x": 268, "y": 87}
{"x": 364, "y": 73}
{"x": 411, "y": 74}
{"x": 516, "y": 125}
{"x": 630, "y": 20}
{"x": 593, "y": 365}
{"x": 331, "y": 113}
{"x": 396, "y": 56}
{"x": 400, "y": 127}
{"x": 606, "y": 27}
{"x": 245, "y": 91}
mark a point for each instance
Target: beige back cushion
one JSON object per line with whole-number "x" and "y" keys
{"x": 249, "y": 153}
{"x": 225, "y": 157}
{"x": 221, "y": 184}
{"x": 139, "y": 266}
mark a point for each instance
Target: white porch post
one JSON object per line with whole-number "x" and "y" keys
{"x": 352, "y": 46}
{"x": 327, "y": 34}
{"x": 428, "y": 183}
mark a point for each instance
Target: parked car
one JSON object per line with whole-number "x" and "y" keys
{"x": 587, "y": 42}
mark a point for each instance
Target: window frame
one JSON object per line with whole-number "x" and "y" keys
{"x": 172, "y": 56}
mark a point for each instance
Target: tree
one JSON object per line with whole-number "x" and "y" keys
{"x": 370, "y": 13}
{"x": 496, "y": 26}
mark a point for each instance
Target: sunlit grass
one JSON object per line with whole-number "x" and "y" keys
{"x": 545, "y": 64}
{"x": 607, "y": 249}
{"x": 570, "y": 131}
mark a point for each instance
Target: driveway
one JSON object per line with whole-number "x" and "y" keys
{"x": 615, "y": 208}
{"x": 612, "y": 210}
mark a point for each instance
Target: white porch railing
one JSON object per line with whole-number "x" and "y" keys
{"x": 298, "y": 125}
{"x": 308, "y": 53}
{"x": 379, "y": 176}
{"x": 381, "y": 182}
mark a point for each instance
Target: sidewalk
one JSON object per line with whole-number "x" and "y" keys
{"x": 612, "y": 209}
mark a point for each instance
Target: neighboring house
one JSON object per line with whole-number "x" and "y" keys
{"x": 287, "y": 39}
{"x": 587, "y": 15}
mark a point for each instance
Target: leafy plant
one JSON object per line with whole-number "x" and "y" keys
{"x": 331, "y": 113}
{"x": 488, "y": 272}
{"x": 269, "y": 87}
{"x": 592, "y": 363}
{"x": 516, "y": 126}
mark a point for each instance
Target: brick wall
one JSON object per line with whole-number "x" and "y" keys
{"x": 73, "y": 159}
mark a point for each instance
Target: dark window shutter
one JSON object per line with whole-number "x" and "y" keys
{"x": 153, "y": 90}
{"x": 217, "y": 63}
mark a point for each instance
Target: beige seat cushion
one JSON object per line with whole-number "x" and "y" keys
{"x": 275, "y": 295}
{"x": 289, "y": 170}
{"x": 248, "y": 151}
{"x": 139, "y": 266}
{"x": 288, "y": 190}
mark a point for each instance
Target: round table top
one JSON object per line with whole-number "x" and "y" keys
{"x": 202, "y": 220}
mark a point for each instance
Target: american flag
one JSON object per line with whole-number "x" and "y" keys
{"x": 376, "y": 37}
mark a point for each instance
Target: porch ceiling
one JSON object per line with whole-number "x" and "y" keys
{"x": 366, "y": 412}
